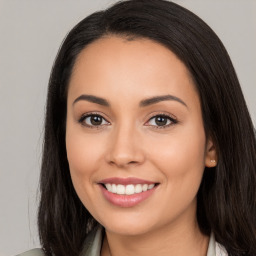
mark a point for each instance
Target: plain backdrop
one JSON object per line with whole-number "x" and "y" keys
{"x": 30, "y": 34}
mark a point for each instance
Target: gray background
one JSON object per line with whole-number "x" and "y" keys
{"x": 30, "y": 34}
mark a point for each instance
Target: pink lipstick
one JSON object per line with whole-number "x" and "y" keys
{"x": 127, "y": 192}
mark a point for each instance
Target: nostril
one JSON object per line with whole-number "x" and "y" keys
{"x": 133, "y": 162}
{"x": 121, "y": 162}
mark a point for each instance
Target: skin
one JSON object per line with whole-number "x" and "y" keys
{"x": 129, "y": 143}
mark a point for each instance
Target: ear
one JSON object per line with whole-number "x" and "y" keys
{"x": 210, "y": 154}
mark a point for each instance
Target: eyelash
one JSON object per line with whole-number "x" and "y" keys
{"x": 172, "y": 121}
{"x": 83, "y": 117}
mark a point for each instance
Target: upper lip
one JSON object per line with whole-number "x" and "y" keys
{"x": 125, "y": 181}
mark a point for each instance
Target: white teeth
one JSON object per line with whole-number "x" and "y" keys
{"x": 109, "y": 187}
{"x": 138, "y": 188}
{"x": 120, "y": 189}
{"x": 128, "y": 189}
{"x": 151, "y": 186}
{"x": 145, "y": 187}
{"x": 113, "y": 188}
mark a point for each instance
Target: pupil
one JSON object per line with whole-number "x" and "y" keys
{"x": 96, "y": 120}
{"x": 161, "y": 120}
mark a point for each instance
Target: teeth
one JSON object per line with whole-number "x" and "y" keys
{"x": 138, "y": 188}
{"x": 120, "y": 189}
{"x": 113, "y": 188}
{"x": 128, "y": 189}
{"x": 151, "y": 186}
{"x": 109, "y": 187}
{"x": 145, "y": 187}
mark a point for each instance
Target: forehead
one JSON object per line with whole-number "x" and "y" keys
{"x": 127, "y": 52}
{"x": 140, "y": 67}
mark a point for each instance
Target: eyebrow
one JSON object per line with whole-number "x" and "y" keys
{"x": 157, "y": 99}
{"x": 93, "y": 99}
{"x": 143, "y": 103}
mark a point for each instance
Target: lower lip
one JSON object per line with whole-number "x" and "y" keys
{"x": 126, "y": 200}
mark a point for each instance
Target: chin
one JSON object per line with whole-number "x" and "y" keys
{"x": 128, "y": 226}
{"x": 127, "y": 230}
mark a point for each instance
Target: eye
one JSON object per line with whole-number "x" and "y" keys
{"x": 161, "y": 121}
{"x": 93, "y": 120}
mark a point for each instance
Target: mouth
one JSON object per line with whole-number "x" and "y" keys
{"x": 129, "y": 189}
{"x": 127, "y": 192}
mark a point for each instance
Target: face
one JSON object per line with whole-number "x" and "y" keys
{"x": 135, "y": 139}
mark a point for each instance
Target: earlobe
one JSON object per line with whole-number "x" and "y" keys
{"x": 210, "y": 154}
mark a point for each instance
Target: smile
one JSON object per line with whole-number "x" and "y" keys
{"x": 129, "y": 189}
{"x": 127, "y": 192}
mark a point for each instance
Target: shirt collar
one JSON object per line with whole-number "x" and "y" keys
{"x": 94, "y": 241}
{"x": 211, "y": 247}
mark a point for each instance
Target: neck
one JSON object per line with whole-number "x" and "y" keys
{"x": 171, "y": 241}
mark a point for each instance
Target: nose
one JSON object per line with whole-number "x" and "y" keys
{"x": 125, "y": 148}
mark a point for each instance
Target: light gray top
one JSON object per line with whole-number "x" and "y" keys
{"x": 94, "y": 241}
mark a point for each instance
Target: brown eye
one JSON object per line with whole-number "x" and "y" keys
{"x": 96, "y": 120}
{"x": 93, "y": 120}
{"x": 161, "y": 121}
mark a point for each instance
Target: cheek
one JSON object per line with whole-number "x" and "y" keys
{"x": 181, "y": 161}
{"x": 180, "y": 156}
{"x": 84, "y": 157}
{"x": 82, "y": 152}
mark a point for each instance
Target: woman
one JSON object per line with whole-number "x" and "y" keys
{"x": 149, "y": 147}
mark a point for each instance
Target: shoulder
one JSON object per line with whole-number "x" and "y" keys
{"x": 34, "y": 252}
